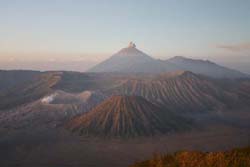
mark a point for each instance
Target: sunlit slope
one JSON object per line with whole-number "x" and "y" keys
{"x": 127, "y": 116}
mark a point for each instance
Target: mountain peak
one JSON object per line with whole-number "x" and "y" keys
{"x": 182, "y": 58}
{"x": 178, "y": 57}
{"x": 128, "y": 59}
{"x": 131, "y": 45}
{"x": 177, "y": 73}
{"x": 130, "y": 51}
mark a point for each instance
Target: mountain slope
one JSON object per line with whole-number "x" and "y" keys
{"x": 24, "y": 93}
{"x": 207, "y": 68}
{"x": 23, "y": 87}
{"x": 50, "y": 110}
{"x": 181, "y": 91}
{"x": 127, "y": 116}
{"x": 12, "y": 78}
{"x": 131, "y": 59}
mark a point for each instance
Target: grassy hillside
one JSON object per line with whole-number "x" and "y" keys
{"x": 233, "y": 158}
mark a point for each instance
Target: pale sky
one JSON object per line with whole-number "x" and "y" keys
{"x": 76, "y": 34}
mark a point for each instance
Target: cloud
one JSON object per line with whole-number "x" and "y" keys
{"x": 49, "y": 99}
{"x": 236, "y": 47}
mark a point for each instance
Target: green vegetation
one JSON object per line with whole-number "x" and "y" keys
{"x": 233, "y": 158}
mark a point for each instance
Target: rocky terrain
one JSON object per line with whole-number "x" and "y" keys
{"x": 127, "y": 108}
{"x": 128, "y": 116}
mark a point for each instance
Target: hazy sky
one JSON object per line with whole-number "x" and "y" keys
{"x": 75, "y": 34}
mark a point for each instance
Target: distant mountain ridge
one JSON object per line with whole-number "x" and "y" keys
{"x": 205, "y": 67}
{"x": 132, "y": 60}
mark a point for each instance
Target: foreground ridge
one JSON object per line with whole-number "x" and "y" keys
{"x": 235, "y": 158}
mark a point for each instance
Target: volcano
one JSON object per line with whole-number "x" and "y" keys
{"x": 180, "y": 91}
{"x": 127, "y": 116}
{"x": 132, "y": 60}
